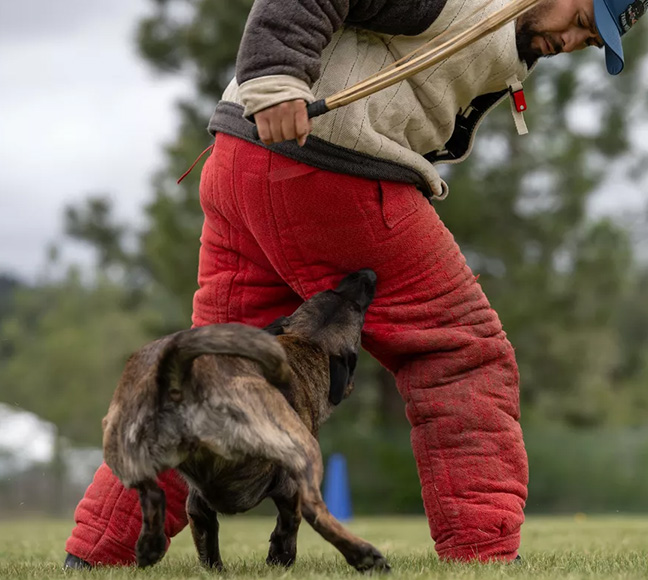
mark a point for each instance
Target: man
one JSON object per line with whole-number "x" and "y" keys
{"x": 287, "y": 218}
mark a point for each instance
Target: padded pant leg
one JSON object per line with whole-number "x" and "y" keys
{"x": 430, "y": 324}
{"x": 108, "y": 518}
{"x": 277, "y": 231}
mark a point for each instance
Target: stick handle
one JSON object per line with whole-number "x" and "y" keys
{"x": 314, "y": 109}
{"x": 317, "y": 108}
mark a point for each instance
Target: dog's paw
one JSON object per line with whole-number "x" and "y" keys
{"x": 211, "y": 563}
{"x": 281, "y": 559}
{"x": 281, "y": 555}
{"x": 370, "y": 560}
{"x": 379, "y": 566}
{"x": 150, "y": 549}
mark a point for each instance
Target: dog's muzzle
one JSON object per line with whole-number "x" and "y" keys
{"x": 359, "y": 287}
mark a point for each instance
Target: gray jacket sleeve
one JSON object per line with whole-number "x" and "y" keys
{"x": 286, "y": 37}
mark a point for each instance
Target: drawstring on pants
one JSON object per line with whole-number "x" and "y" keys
{"x": 194, "y": 164}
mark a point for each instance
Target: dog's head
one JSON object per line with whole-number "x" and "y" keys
{"x": 332, "y": 321}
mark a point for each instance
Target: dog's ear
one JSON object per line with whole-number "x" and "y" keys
{"x": 276, "y": 328}
{"x": 341, "y": 369}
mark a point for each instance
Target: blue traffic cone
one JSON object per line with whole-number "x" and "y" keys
{"x": 336, "y": 488}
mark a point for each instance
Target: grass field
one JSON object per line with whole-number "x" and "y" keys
{"x": 552, "y": 547}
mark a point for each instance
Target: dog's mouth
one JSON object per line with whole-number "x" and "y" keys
{"x": 359, "y": 287}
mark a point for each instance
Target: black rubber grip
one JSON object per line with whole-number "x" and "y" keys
{"x": 317, "y": 108}
{"x": 314, "y": 109}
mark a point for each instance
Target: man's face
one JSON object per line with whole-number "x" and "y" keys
{"x": 556, "y": 26}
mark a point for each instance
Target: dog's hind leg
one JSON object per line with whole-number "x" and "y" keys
{"x": 151, "y": 543}
{"x": 203, "y": 521}
{"x": 285, "y": 439}
{"x": 359, "y": 553}
{"x": 283, "y": 541}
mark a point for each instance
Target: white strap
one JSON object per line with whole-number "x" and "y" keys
{"x": 518, "y": 117}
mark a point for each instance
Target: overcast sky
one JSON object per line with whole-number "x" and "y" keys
{"x": 80, "y": 113}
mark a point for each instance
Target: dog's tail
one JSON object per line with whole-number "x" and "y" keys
{"x": 228, "y": 339}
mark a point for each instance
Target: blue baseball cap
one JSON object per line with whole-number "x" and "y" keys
{"x": 613, "y": 19}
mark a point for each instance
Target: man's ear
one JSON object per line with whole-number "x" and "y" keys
{"x": 341, "y": 370}
{"x": 276, "y": 328}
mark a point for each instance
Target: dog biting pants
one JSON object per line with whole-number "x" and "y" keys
{"x": 277, "y": 231}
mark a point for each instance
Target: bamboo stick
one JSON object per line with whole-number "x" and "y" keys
{"x": 448, "y": 33}
{"x": 449, "y": 42}
{"x": 454, "y": 39}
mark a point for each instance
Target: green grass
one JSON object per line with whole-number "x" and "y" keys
{"x": 552, "y": 547}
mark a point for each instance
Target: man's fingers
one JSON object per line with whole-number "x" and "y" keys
{"x": 275, "y": 129}
{"x": 263, "y": 127}
{"x": 288, "y": 123}
{"x": 302, "y": 124}
{"x": 283, "y": 122}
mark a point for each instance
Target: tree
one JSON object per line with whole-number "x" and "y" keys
{"x": 518, "y": 215}
{"x": 67, "y": 345}
{"x": 202, "y": 42}
{"x": 518, "y": 209}
{"x": 8, "y": 286}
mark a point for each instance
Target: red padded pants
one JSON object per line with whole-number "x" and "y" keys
{"x": 276, "y": 231}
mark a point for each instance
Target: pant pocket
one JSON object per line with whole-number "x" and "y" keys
{"x": 398, "y": 201}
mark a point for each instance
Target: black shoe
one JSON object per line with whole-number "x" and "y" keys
{"x": 517, "y": 560}
{"x": 74, "y": 563}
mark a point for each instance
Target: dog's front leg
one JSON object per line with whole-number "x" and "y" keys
{"x": 203, "y": 521}
{"x": 283, "y": 541}
{"x": 151, "y": 543}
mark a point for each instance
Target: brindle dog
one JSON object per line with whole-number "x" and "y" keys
{"x": 237, "y": 410}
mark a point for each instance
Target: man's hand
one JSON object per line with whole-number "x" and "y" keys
{"x": 285, "y": 121}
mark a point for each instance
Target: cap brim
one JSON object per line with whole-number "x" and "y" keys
{"x": 611, "y": 36}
